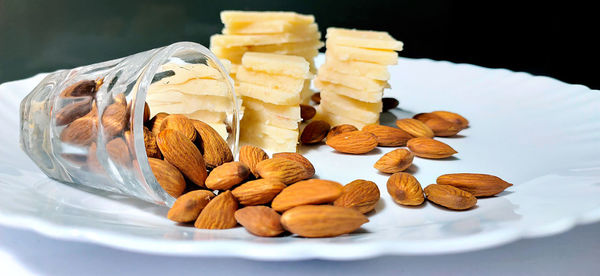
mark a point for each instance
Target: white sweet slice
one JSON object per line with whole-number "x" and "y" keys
{"x": 232, "y": 17}
{"x": 253, "y": 28}
{"x": 345, "y": 53}
{"x": 208, "y": 116}
{"x": 292, "y": 66}
{"x": 357, "y": 68}
{"x": 334, "y": 119}
{"x": 186, "y": 72}
{"x": 361, "y": 95}
{"x": 270, "y": 138}
{"x": 280, "y": 82}
{"x": 356, "y": 82}
{"x": 349, "y": 108}
{"x": 192, "y": 87}
{"x": 268, "y": 95}
{"x": 263, "y": 39}
{"x": 363, "y": 39}
{"x": 180, "y": 103}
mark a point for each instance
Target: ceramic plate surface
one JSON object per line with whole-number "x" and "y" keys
{"x": 538, "y": 133}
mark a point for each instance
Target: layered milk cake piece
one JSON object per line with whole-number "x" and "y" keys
{"x": 354, "y": 75}
{"x": 195, "y": 90}
{"x": 272, "y": 86}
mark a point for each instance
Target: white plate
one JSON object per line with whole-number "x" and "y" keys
{"x": 539, "y": 133}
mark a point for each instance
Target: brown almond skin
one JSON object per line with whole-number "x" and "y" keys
{"x": 257, "y": 192}
{"x": 415, "y": 128}
{"x": 281, "y": 169}
{"x": 261, "y": 221}
{"x": 118, "y": 151}
{"x": 219, "y": 213}
{"x": 183, "y": 154}
{"x": 310, "y": 169}
{"x": 152, "y": 149}
{"x": 430, "y": 148}
{"x": 314, "y": 132}
{"x": 395, "y": 161}
{"x": 73, "y": 111}
{"x": 180, "y": 123}
{"x": 169, "y": 177}
{"x": 340, "y": 129}
{"x": 316, "y": 98}
{"x": 82, "y": 131}
{"x": 227, "y": 175}
{"x": 312, "y": 191}
{"x": 80, "y": 89}
{"x": 250, "y": 156}
{"x": 188, "y": 206}
{"x": 479, "y": 185}
{"x": 450, "y": 197}
{"x": 215, "y": 150}
{"x": 405, "y": 189}
{"x": 442, "y": 128}
{"x": 318, "y": 221}
{"x": 388, "y": 136}
{"x": 389, "y": 103}
{"x": 307, "y": 112}
{"x": 114, "y": 118}
{"x": 362, "y": 195}
{"x": 353, "y": 142}
{"x": 455, "y": 118}
{"x": 146, "y": 112}
{"x": 155, "y": 123}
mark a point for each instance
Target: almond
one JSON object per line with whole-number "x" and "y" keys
{"x": 316, "y": 98}
{"x": 260, "y": 220}
{"x": 250, "y": 156}
{"x": 450, "y": 197}
{"x": 155, "y": 123}
{"x": 114, "y": 117}
{"x": 169, "y": 177}
{"x": 180, "y": 123}
{"x": 227, "y": 175}
{"x": 310, "y": 169}
{"x": 216, "y": 150}
{"x": 388, "y": 136}
{"x": 81, "y": 89}
{"x": 82, "y": 131}
{"x": 152, "y": 149}
{"x": 415, "y": 128}
{"x": 395, "y": 161}
{"x": 118, "y": 151}
{"x": 423, "y": 117}
{"x": 453, "y": 117}
{"x": 389, "y": 103}
{"x": 354, "y": 142}
{"x": 475, "y": 183}
{"x": 441, "y": 127}
{"x": 188, "y": 206}
{"x": 312, "y": 191}
{"x": 340, "y": 129}
{"x": 219, "y": 213}
{"x": 73, "y": 111}
{"x": 183, "y": 154}
{"x": 429, "y": 148}
{"x": 316, "y": 221}
{"x": 307, "y": 112}
{"x": 314, "y": 132}
{"x": 405, "y": 189}
{"x": 281, "y": 169}
{"x": 256, "y": 192}
{"x": 146, "y": 112}
{"x": 362, "y": 195}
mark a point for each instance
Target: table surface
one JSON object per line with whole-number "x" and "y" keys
{"x": 575, "y": 253}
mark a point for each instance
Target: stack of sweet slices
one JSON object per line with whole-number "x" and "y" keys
{"x": 270, "y": 86}
{"x": 197, "y": 91}
{"x": 354, "y": 75}
{"x": 286, "y": 33}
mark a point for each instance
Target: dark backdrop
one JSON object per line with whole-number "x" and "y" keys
{"x": 545, "y": 39}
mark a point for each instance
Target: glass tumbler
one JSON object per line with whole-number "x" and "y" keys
{"x": 86, "y": 125}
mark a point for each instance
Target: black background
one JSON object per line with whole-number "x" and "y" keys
{"x": 557, "y": 40}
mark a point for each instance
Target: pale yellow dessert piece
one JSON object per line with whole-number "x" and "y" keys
{"x": 268, "y": 95}
{"x": 272, "y": 139}
{"x": 288, "y": 115}
{"x": 292, "y": 66}
{"x": 263, "y": 39}
{"x": 334, "y": 119}
{"x": 193, "y": 87}
{"x": 352, "y": 81}
{"x": 280, "y": 82}
{"x": 357, "y": 68}
{"x": 268, "y": 119}
{"x": 306, "y": 93}
{"x": 293, "y": 28}
{"x": 346, "y": 53}
{"x": 233, "y": 17}
{"x": 186, "y": 72}
{"x": 207, "y": 116}
{"x": 181, "y": 103}
{"x": 350, "y": 108}
{"x": 361, "y": 95}
{"x": 363, "y": 39}
{"x": 235, "y": 54}
{"x": 288, "y": 47}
